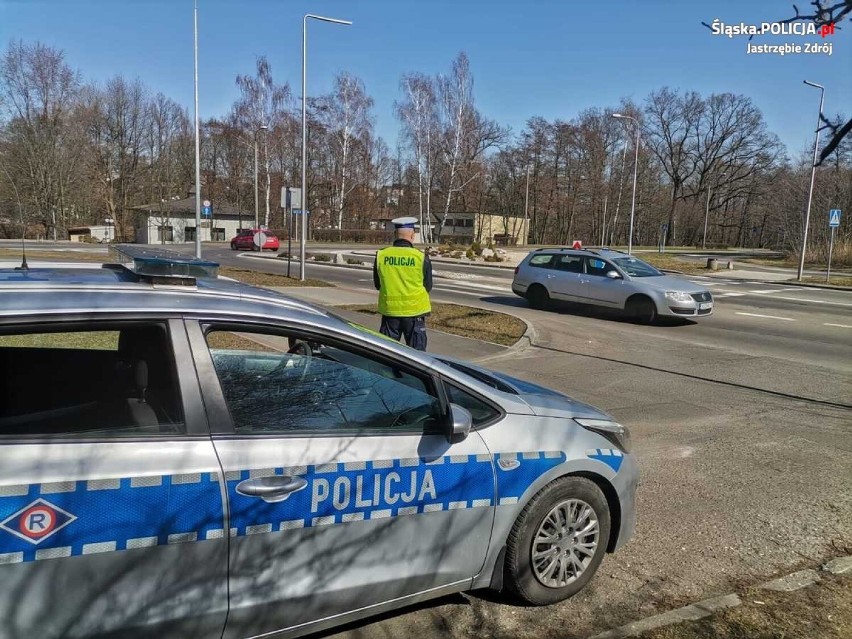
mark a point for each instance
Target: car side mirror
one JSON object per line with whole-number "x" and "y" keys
{"x": 613, "y": 275}
{"x": 462, "y": 421}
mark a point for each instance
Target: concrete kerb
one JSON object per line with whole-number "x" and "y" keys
{"x": 693, "y": 612}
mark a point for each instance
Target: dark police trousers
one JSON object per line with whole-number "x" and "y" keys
{"x": 412, "y": 328}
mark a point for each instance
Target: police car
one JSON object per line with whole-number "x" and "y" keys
{"x": 182, "y": 455}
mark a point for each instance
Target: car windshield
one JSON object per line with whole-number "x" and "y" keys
{"x": 636, "y": 268}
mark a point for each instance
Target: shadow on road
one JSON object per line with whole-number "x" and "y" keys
{"x": 581, "y": 310}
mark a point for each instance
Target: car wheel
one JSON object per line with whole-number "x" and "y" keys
{"x": 557, "y": 542}
{"x": 538, "y": 297}
{"x": 233, "y": 246}
{"x": 642, "y": 310}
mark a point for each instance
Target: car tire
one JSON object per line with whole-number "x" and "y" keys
{"x": 642, "y": 310}
{"x": 233, "y": 246}
{"x": 538, "y": 581}
{"x": 538, "y": 297}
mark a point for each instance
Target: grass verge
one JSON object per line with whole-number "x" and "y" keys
{"x": 672, "y": 263}
{"x": 64, "y": 256}
{"x": 256, "y": 278}
{"x": 822, "y": 610}
{"x": 466, "y": 321}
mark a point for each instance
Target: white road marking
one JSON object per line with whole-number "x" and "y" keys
{"x": 767, "y": 290}
{"x": 786, "y": 319}
{"x": 799, "y": 299}
{"x": 729, "y": 295}
{"x": 837, "y": 325}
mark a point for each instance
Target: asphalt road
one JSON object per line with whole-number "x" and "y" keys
{"x": 742, "y": 424}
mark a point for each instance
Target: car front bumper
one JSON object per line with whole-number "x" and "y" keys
{"x": 689, "y": 309}
{"x": 625, "y": 483}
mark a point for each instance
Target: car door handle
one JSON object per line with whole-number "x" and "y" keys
{"x": 550, "y": 276}
{"x": 273, "y": 488}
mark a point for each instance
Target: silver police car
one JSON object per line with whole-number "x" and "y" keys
{"x": 185, "y": 456}
{"x": 611, "y": 279}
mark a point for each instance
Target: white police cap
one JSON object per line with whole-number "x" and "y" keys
{"x": 404, "y": 222}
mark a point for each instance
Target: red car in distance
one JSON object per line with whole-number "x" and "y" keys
{"x": 244, "y": 240}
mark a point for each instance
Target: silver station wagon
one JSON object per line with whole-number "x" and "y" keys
{"x": 186, "y": 456}
{"x": 611, "y": 279}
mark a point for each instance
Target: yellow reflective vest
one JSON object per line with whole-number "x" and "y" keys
{"x": 401, "y": 293}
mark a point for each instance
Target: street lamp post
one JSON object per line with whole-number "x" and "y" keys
{"x": 707, "y": 214}
{"x": 527, "y": 208}
{"x": 813, "y": 175}
{"x": 256, "y": 199}
{"x": 635, "y": 167}
{"x": 305, "y": 131}
{"x": 197, "y": 144}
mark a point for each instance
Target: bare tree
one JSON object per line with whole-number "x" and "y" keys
{"x": 419, "y": 117}
{"x": 345, "y": 116}
{"x": 39, "y": 92}
{"x": 259, "y": 107}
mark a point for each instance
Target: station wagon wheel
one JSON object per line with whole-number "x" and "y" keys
{"x": 538, "y": 297}
{"x": 642, "y": 309}
{"x": 558, "y": 541}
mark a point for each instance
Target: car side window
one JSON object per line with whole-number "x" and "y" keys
{"x": 542, "y": 261}
{"x": 481, "y": 411}
{"x": 275, "y": 383}
{"x": 596, "y": 266}
{"x": 97, "y": 381}
{"x": 569, "y": 263}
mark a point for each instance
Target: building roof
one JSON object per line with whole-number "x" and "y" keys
{"x": 186, "y": 206}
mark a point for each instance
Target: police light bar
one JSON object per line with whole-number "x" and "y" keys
{"x": 162, "y": 265}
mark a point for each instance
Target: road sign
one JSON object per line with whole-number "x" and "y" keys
{"x": 834, "y": 218}
{"x": 206, "y": 211}
{"x": 259, "y": 239}
{"x": 664, "y": 227}
{"x": 299, "y": 212}
{"x": 291, "y": 198}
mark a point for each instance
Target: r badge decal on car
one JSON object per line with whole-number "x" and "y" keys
{"x": 37, "y": 521}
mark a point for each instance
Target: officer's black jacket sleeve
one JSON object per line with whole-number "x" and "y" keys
{"x": 376, "y": 281}
{"x": 427, "y": 274}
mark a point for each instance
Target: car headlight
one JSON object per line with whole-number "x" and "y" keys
{"x": 617, "y": 433}
{"x": 677, "y": 296}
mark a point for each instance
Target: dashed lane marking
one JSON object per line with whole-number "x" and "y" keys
{"x": 837, "y": 325}
{"x": 786, "y": 319}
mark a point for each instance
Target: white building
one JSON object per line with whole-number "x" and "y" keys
{"x": 173, "y": 222}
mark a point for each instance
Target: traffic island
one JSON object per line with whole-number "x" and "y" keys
{"x": 267, "y": 280}
{"x": 466, "y": 321}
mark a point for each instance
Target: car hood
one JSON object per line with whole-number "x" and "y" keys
{"x": 670, "y": 283}
{"x": 542, "y": 401}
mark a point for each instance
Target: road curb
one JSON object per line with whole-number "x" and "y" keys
{"x": 524, "y": 342}
{"x": 825, "y": 287}
{"x": 788, "y": 583}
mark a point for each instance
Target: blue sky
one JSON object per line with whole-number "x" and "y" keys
{"x": 547, "y": 58}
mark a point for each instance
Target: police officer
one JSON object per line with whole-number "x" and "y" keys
{"x": 403, "y": 276}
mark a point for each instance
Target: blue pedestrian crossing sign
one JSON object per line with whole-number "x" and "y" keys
{"x": 833, "y": 218}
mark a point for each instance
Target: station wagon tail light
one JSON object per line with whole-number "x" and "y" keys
{"x": 161, "y": 266}
{"x": 616, "y": 433}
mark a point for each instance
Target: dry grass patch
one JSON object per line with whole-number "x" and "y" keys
{"x": 256, "y": 278}
{"x": 477, "y": 323}
{"x": 59, "y": 256}
{"x": 668, "y": 262}
{"x": 823, "y": 610}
